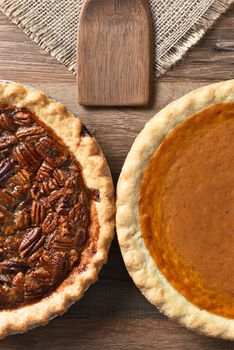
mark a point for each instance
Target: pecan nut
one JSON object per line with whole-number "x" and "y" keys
{"x": 25, "y": 154}
{"x": 37, "y": 213}
{"x": 13, "y": 266}
{"x": 6, "y": 169}
{"x": 30, "y": 133}
{"x": 55, "y": 195}
{"x": 29, "y": 242}
{"x": 22, "y": 219}
{"x": 51, "y": 151}
{"x": 44, "y": 171}
{"x": 7, "y": 141}
{"x": 50, "y": 223}
{"x": 7, "y": 122}
{"x": 22, "y": 118}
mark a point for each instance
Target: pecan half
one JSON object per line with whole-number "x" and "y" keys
{"x": 17, "y": 288}
{"x": 22, "y": 118}
{"x": 50, "y": 223}
{"x": 30, "y": 133}
{"x": 55, "y": 195}
{"x": 7, "y": 141}
{"x": 35, "y": 256}
{"x": 22, "y": 219}
{"x": 37, "y": 284}
{"x": 35, "y": 293}
{"x": 58, "y": 265}
{"x": 29, "y": 241}
{"x": 46, "y": 204}
{"x": 26, "y": 155}
{"x": 6, "y": 169}
{"x": 19, "y": 183}
{"x": 24, "y": 176}
{"x": 37, "y": 213}
{"x": 34, "y": 247}
{"x": 13, "y": 266}
{"x": 51, "y": 151}
{"x": 60, "y": 242}
{"x": 7, "y": 122}
{"x": 44, "y": 171}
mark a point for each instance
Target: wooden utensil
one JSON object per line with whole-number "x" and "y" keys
{"x": 114, "y": 53}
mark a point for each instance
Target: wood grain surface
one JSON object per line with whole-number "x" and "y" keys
{"x": 114, "y": 46}
{"x": 113, "y": 314}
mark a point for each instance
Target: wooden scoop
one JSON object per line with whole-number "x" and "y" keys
{"x": 114, "y": 53}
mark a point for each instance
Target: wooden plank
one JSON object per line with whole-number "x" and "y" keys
{"x": 114, "y": 335}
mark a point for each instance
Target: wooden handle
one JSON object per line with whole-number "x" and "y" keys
{"x": 114, "y": 53}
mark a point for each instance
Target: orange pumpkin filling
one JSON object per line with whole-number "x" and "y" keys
{"x": 186, "y": 209}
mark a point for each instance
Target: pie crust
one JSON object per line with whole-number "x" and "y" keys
{"x": 96, "y": 175}
{"x": 139, "y": 262}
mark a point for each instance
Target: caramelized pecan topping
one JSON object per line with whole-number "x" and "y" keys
{"x": 22, "y": 118}
{"x": 44, "y": 209}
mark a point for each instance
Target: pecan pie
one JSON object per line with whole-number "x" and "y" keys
{"x": 175, "y": 211}
{"x": 56, "y": 208}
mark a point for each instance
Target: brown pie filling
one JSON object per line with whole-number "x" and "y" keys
{"x": 45, "y": 210}
{"x": 186, "y": 209}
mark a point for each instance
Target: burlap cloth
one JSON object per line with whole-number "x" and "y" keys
{"x": 178, "y": 24}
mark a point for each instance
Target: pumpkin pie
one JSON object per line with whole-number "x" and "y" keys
{"x": 56, "y": 208}
{"x": 175, "y": 210}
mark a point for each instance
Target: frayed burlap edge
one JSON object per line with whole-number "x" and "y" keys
{"x": 194, "y": 34}
{"x": 162, "y": 65}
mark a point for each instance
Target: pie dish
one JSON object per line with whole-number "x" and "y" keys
{"x": 56, "y": 208}
{"x": 175, "y": 210}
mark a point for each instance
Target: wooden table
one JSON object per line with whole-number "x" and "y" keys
{"x": 113, "y": 314}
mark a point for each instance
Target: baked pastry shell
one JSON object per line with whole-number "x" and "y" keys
{"x": 97, "y": 176}
{"x": 137, "y": 258}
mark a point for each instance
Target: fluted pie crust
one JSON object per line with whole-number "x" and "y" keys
{"x": 138, "y": 253}
{"x": 96, "y": 175}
